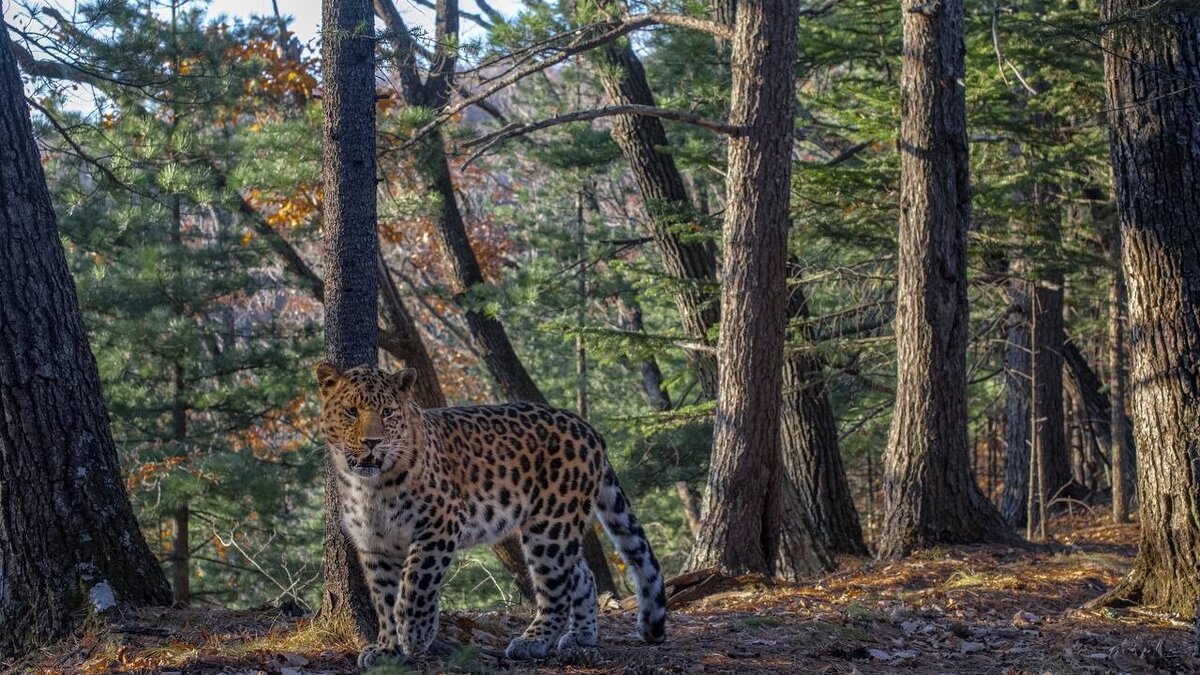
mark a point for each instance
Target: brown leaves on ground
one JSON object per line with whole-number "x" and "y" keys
{"x": 975, "y": 609}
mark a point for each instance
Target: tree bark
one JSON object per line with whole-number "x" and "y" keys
{"x": 629, "y": 319}
{"x": 69, "y": 542}
{"x": 181, "y": 587}
{"x": 1034, "y": 342}
{"x": 930, "y": 495}
{"x": 404, "y": 342}
{"x": 815, "y": 486}
{"x": 692, "y": 264}
{"x": 1092, "y": 413}
{"x": 350, "y": 253}
{"x": 813, "y": 469}
{"x": 1151, "y": 60}
{"x": 1124, "y": 469}
{"x": 740, "y": 520}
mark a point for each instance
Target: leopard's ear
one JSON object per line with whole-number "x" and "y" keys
{"x": 328, "y": 376}
{"x": 403, "y": 379}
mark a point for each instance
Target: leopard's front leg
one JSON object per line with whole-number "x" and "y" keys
{"x": 382, "y": 572}
{"x": 417, "y": 609}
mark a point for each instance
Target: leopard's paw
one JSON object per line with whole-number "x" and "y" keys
{"x": 523, "y": 649}
{"x": 375, "y": 654}
{"x": 572, "y": 643}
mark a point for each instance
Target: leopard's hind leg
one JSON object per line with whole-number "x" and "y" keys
{"x": 552, "y": 551}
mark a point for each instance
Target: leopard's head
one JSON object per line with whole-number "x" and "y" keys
{"x": 371, "y": 423}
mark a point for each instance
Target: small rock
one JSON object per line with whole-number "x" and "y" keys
{"x": 1024, "y": 619}
{"x": 971, "y": 647}
{"x": 880, "y": 654}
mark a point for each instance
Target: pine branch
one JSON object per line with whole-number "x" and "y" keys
{"x": 611, "y": 30}
{"x": 515, "y": 129}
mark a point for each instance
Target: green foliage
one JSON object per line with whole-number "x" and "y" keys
{"x": 204, "y": 144}
{"x": 201, "y": 345}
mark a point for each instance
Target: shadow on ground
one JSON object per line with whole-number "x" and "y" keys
{"x": 973, "y": 609}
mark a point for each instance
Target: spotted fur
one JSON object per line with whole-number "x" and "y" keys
{"x": 417, "y": 485}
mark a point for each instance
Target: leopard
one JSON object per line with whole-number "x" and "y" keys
{"x": 416, "y": 485}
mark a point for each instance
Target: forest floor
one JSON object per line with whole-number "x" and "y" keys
{"x": 969, "y": 609}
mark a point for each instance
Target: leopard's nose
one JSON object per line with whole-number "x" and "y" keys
{"x": 371, "y": 442}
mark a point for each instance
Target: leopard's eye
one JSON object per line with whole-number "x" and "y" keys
{"x": 388, "y": 412}
{"x": 352, "y": 412}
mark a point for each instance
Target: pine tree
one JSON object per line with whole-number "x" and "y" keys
{"x": 67, "y": 533}
{"x": 1149, "y": 52}
{"x": 929, "y": 490}
{"x": 739, "y": 522}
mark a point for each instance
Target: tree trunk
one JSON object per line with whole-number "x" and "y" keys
{"x": 1121, "y": 455}
{"x": 69, "y": 542}
{"x": 740, "y": 521}
{"x": 930, "y": 495}
{"x": 1152, "y": 54}
{"x": 351, "y": 253}
{"x": 691, "y": 509}
{"x": 629, "y": 319}
{"x": 404, "y": 342}
{"x": 813, "y": 466}
{"x": 1034, "y": 342}
{"x": 815, "y": 485}
{"x": 181, "y": 587}
{"x": 1093, "y": 411}
{"x": 693, "y": 265}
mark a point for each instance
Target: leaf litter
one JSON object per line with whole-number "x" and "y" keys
{"x": 963, "y": 609}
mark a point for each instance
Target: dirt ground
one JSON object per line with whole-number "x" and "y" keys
{"x": 976, "y": 609}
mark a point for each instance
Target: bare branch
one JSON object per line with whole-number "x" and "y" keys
{"x": 406, "y": 51}
{"x": 52, "y": 70}
{"x": 609, "y": 31}
{"x": 470, "y": 16}
{"x": 847, "y": 154}
{"x": 445, "y": 58}
{"x": 690, "y": 22}
{"x": 516, "y": 129}
{"x": 494, "y": 16}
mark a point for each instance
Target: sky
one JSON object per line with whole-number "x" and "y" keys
{"x": 306, "y": 13}
{"x": 306, "y": 23}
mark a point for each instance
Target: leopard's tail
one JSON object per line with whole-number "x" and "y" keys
{"x": 615, "y": 514}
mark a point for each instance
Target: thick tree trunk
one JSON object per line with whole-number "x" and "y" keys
{"x": 740, "y": 520}
{"x": 69, "y": 542}
{"x": 930, "y": 494}
{"x": 1151, "y": 59}
{"x": 1035, "y": 341}
{"x": 351, "y": 257}
{"x": 813, "y": 469}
